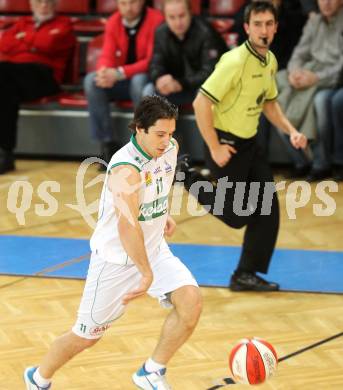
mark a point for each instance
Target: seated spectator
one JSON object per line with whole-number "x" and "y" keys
{"x": 328, "y": 105}
{"x": 33, "y": 56}
{"x": 315, "y": 64}
{"x": 122, "y": 67}
{"x": 186, "y": 50}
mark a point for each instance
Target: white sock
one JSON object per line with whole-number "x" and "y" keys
{"x": 41, "y": 382}
{"x": 151, "y": 366}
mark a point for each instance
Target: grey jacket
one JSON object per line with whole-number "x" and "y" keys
{"x": 320, "y": 49}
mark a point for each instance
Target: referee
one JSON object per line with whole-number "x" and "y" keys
{"x": 227, "y": 110}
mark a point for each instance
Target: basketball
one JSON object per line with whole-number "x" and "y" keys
{"x": 252, "y": 361}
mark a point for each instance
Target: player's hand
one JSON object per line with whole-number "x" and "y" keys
{"x": 298, "y": 140}
{"x": 222, "y": 154}
{"x": 170, "y": 227}
{"x": 141, "y": 290}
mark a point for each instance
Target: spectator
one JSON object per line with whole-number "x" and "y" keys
{"x": 122, "y": 67}
{"x": 328, "y": 105}
{"x": 33, "y": 56}
{"x": 315, "y": 64}
{"x": 185, "y": 52}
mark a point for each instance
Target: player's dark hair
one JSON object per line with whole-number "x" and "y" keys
{"x": 150, "y": 110}
{"x": 259, "y": 6}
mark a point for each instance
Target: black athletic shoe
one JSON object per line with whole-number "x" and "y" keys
{"x": 248, "y": 281}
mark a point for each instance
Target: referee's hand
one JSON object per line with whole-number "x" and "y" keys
{"x": 298, "y": 140}
{"x": 222, "y": 154}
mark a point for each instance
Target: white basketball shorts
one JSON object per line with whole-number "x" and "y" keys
{"x": 107, "y": 283}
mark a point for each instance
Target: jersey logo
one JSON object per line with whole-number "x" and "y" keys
{"x": 167, "y": 167}
{"x": 148, "y": 179}
{"x": 139, "y": 160}
{"x": 157, "y": 170}
{"x": 261, "y": 98}
{"x": 154, "y": 209}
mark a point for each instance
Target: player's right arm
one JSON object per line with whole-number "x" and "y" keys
{"x": 220, "y": 153}
{"x": 124, "y": 183}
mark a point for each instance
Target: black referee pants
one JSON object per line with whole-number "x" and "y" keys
{"x": 21, "y": 83}
{"x": 251, "y": 201}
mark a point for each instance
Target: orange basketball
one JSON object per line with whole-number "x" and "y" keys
{"x": 252, "y": 361}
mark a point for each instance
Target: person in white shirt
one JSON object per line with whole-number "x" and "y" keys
{"x": 130, "y": 256}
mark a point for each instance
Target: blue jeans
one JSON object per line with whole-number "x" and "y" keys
{"x": 179, "y": 98}
{"x": 99, "y": 102}
{"x": 337, "y": 121}
{"x": 328, "y": 148}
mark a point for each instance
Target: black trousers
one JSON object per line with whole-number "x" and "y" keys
{"x": 245, "y": 196}
{"x": 21, "y": 83}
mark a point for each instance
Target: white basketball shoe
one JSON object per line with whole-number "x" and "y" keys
{"x": 151, "y": 380}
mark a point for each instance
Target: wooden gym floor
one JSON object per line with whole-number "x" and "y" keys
{"x": 33, "y": 311}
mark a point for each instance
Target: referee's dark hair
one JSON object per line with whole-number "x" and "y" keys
{"x": 151, "y": 109}
{"x": 257, "y": 7}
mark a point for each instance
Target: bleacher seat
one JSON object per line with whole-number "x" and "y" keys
{"x": 222, "y": 25}
{"x": 79, "y": 99}
{"x": 106, "y": 6}
{"x": 73, "y": 7}
{"x": 196, "y": 5}
{"x": 14, "y": 6}
{"x": 93, "y": 52}
{"x": 225, "y": 7}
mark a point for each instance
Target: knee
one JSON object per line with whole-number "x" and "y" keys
{"x": 148, "y": 90}
{"x": 89, "y": 83}
{"x": 139, "y": 80}
{"x": 337, "y": 102}
{"x": 190, "y": 306}
{"x": 84, "y": 343}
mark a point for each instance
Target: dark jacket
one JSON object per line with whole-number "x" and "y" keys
{"x": 189, "y": 61}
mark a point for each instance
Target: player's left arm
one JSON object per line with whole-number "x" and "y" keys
{"x": 274, "y": 114}
{"x": 170, "y": 227}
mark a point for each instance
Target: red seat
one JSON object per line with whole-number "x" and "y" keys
{"x": 72, "y": 75}
{"x": 79, "y": 99}
{"x": 231, "y": 39}
{"x": 93, "y": 52}
{"x": 225, "y": 7}
{"x": 196, "y": 5}
{"x": 80, "y": 7}
{"x": 106, "y": 6}
{"x": 14, "y": 6}
{"x": 73, "y": 7}
{"x": 222, "y": 25}
{"x": 89, "y": 26}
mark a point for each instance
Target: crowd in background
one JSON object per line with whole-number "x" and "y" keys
{"x": 172, "y": 52}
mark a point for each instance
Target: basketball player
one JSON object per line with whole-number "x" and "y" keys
{"x": 227, "y": 111}
{"x": 130, "y": 256}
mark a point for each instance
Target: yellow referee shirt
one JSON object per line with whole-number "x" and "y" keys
{"x": 239, "y": 85}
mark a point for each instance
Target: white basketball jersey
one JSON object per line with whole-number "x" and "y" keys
{"x": 157, "y": 178}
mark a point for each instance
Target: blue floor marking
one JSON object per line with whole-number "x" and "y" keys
{"x": 295, "y": 270}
